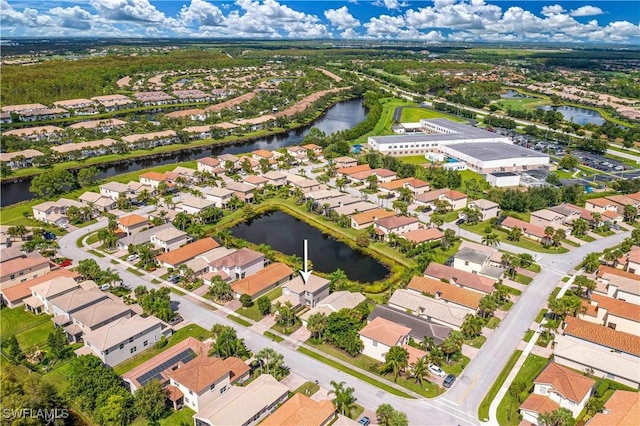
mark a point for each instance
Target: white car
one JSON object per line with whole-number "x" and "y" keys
{"x": 434, "y": 369}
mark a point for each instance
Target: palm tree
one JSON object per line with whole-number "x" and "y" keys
{"x": 341, "y": 183}
{"x": 514, "y": 234}
{"x": 472, "y": 326}
{"x": 491, "y": 240}
{"x": 182, "y": 221}
{"x": 591, "y": 262}
{"x": 630, "y": 213}
{"x": 419, "y": 370}
{"x": 579, "y": 227}
{"x": 337, "y": 279}
{"x": 344, "y": 399}
{"x": 395, "y": 360}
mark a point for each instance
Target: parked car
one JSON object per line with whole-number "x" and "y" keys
{"x": 132, "y": 257}
{"x": 365, "y": 421}
{"x": 448, "y": 381}
{"x": 460, "y": 221}
{"x": 173, "y": 279}
{"x": 65, "y": 263}
{"x": 436, "y": 370}
{"x": 177, "y": 319}
{"x": 48, "y": 235}
{"x": 105, "y": 287}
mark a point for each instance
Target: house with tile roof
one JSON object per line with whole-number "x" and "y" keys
{"x": 424, "y": 235}
{"x": 208, "y": 164}
{"x": 380, "y": 335}
{"x": 169, "y": 238}
{"x": 457, "y": 200}
{"x": 396, "y": 224}
{"x": 87, "y": 295}
{"x": 175, "y": 258}
{"x": 344, "y": 162}
{"x": 333, "y": 303}
{"x": 478, "y": 259}
{"x": 204, "y": 379}
{"x": 94, "y": 316}
{"x": 220, "y": 196}
{"x": 263, "y": 281}
{"x": 445, "y": 291}
{"x": 420, "y": 327}
{"x": 302, "y": 410}
{"x": 529, "y": 230}
{"x": 349, "y": 171}
{"x": 239, "y": 264}
{"x": 613, "y": 313}
{"x": 132, "y": 223}
{"x": 153, "y": 179}
{"x": 44, "y": 292}
{"x": 246, "y": 405}
{"x": 301, "y": 293}
{"x": 15, "y": 295}
{"x": 619, "y": 284}
{"x": 464, "y": 279}
{"x": 621, "y": 409}
{"x": 193, "y": 205}
{"x": 54, "y": 212}
{"x": 366, "y": 219}
{"x": 488, "y": 209}
{"x": 429, "y": 308}
{"x": 557, "y": 387}
{"x": 23, "y": 267}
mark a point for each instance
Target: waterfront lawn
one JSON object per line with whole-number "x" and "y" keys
{"x": 415, "y": 114}
{"x": 16, "y": 320}
{"x": 483, "y": 410}
{"x": 518, "y": 104}
{"x": 253, "y": 312}
{"x": 192, "y": 330}
{"x": 35, "y": 336}
{"x": 508, "y": 408}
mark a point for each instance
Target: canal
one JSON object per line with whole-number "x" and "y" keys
{"x": 341, "y": 116}
{"x": 286, "y": 234}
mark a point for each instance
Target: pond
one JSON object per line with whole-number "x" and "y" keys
{"x": 513, "y": 94}
{"x": 577, "y": 115}
{"x": 286, "y": 234}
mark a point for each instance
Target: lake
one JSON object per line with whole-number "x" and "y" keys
{"x": 286, "y": 234}
{"x": 343, "y": 115}
{"x": 513, "y": 94}
{"x": 577, "y": 115}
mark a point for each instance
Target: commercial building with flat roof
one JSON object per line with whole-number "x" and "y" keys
{"x": 488, "y": 157}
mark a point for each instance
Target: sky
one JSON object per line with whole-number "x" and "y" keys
{"x": 596, "y": 21}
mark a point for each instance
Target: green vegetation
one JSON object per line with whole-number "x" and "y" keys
{"x": 502, "y": 237}
{"x": 13, "y": 321}
{"x": 97, "y": 253}
{"x": 412, "y": 115}
{"x": 176, "y": 291}
{"x": 414, "y": 159}
{"x": 353, "y": 373}
{"x": 307, "y": 388}
{"x": 35, "y": 336}
{"x": 383, "y": 127}
{"x": 253, "y": 312}
{"x": 272, "y": 336}
{"x": 528, "y": 335}
{"x": 191, "y": 330}
{"x": 239, "y": 320}
{"x": 541, "y": 315}
{"x": 135, "y": 272}
{"x": 523, "y": 279}
{"x": 508, "y": 408}
{"x": 493, "y": 322}
{"x": 483, "y": 410}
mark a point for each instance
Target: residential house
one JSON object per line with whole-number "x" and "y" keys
{"x": 193, "y": 205}
{"x": 344, "y": 200}
{"x": 19, "y": 159}
{"x": 23, "y": 267}
{"x": 94, "y": 316}
{"x": 366, "y": 219}
{"x": 435, "y": 310}
{"x": 333, "y": 303}
{"x": 5, "y": 118}
{"x": 205, "y": 379}
{"x": 42, "y": 293}
{"x": 619, "y": 284}
{"x": 344, "y": 162}
{"x": 132, "y": 223}
{"x": 209, "y": 165}
{"x": 347, "y": 172}
{"x": 23, "y": 107}
{"x": 260, "y": 154}
{"x": 97, "y": 202}
{"x": 175, "y": 258}
{"x": 464, "y": 279}
{"x": 444, "y": 291}
{"x": 380, "y": 335}
{"x": 232, "y": 159}
{"x": 478, "y": 259}
{"x": 225, "y": 128}
{"x": 609, "y": 353}
{"x": 124, "y": 338}
{"x": 557, "y": 387}
{"x": 79, "y": 106}
{"x": 529, "y": 230}
{"x": 114, "y": 102}
{"x": 256, "y": 123}
{"x": 420, "y": 327}
{"x": 43, "y": 114}
{"x": 168, "y": 238}
{"x": 14, "y": 295}
{"x": 246, "y": 405}
{"x": 424, "y": 235}
{"x": 192, "y": 95}
{"x": 114, "y": 190}
{"x": 630, "y": 262}
{"x": 150, "y": 140}
{"x": 220, "y": 196}
{"x": 316, "y": 149}
{"x": 323, "y": 196}
{"x": 297, "y": 152}
{"x": 255, "y": 180}
{"x": 601, "y": 205}
{"x": 262, "y": 281}
{"x": 239, "y": 264}
{"x": 104, "y": 125}
{"x": 242, "y": 190}
{"x": 488, "y": 209}
{"x": 302, "y": 410}
{"x": 349, "y": 208}
{"x": 88, "y": 294}
{"x": 54, "y": 212}
{"x": 301, "y": 293}
{"x": 621, "y": 409}
{"x": 396, "y": 224}
{"x": 153, "y": 179}
{"x": 613, "y": 313}
{"x": 625, "y": 200}
{"x": 48, "y": 133}
{"x": 416, "y": 186}
{"x": 82, "y": 150}
{"x": 153, "y": 98}
{"x": 275, "y": 179}
{"x": 457, "y": 200}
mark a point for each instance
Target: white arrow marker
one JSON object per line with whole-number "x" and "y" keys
{"x": 305, "y": 274}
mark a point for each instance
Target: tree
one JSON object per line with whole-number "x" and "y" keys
{"x": 594, "y": 406}
{"x": 114, "y": 409}
{"x": 472, "y": 326}
{"x": 568, "y": 162}
{"x": 317, "y": 324}
{"x": 388, "y": 416}
{"x": 419, "y": 371}
{"x": 491, "y": 240}
{"x": 362, "y": 240}
{"x": 264, "y": 305}
{"x": 17, "y": 231}
{"x": 13, "y": 349}
{"x": 579, "y": 227}
{"x": 395, "y": 360}
{"x": 344, "y": 399}
{"x": 87, "y": 176}
{"x": 88, "y": 379}
{"x": 630, "y": 213}
{"x": 452, "y": 344}
{"x": 158, "y": 302}
{"x": 514, "y": 234}
{"x": 337, "y": 280}
{"x": 220, "y": 290}
{"x": 246, "y": 301}
{"x": 228, "y": 344}
{"x": 591, "y": 262}
{"x": 52, "y": 182}
{"x": 473, "y": 216}
{"x": 488, "y": 305}
{"x": 150, "y": 401}
{"x": 58, "y": 343}
{"x": 559, "y": 417}
{"x": 273, "y": 361}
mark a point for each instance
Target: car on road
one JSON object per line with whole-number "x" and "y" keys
{"x": 448, "y": 381}
{"x": 365, "y": 421}
{"x": 132, "y": 257}
{"x": 460, "y": 221}
{"x": 436, "y": 370}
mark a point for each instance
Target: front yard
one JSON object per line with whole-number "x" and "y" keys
{"x": 508, "y": 409}
{"x": 253, "y": 312}
{"x": 524, "y": 243}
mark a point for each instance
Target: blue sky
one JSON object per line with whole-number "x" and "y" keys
{"x": 598, "y": 21}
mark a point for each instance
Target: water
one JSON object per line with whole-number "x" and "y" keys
{"x": 577, "y": 115}
{"x": 286, "y": 234}
{"x": 513, "y": 94}
{"x": 343, "y": 115}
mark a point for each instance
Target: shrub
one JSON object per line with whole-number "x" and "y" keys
{"x": 602, "y": 388}
{"x": 246, "y": 301}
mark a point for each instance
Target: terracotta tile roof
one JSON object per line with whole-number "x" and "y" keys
{"x": 571, "y": 385}
{"x": 604, "y": 269}
{"x": 312, "y": 146}
{"x": 622, "y": 199}
{"x": 414, "y": 353}
{"x": 601, "y": 335}
{"x": 384, "y": 331}
{"x": 384, "y": 172}
{"x": 423, "y": 235}
{"x": 393, "y": 222}
{"x": 622, "y": 409}
{"x": 213, "y": 162}
{"x": 173, "y": 393}
{"x": 600, "y": 202}
{"x": 417, "y": 183}
{"x": 200, "y": 373}
{"x": 634, "y": 196}
{"x": 188, "y": 252}
{"x": 160, "y": 177}
{"x": 263, "y": 279}
{"x": 301, "y": 410}
{"x": 131, "y": 220}
{"x": 371, "y": 215}
{"x": 466, "y": 279}
{"x": 361, "y": 175}
{"x": 446, "y": 291}
{"x": 31, "y": 260}
{"x": 611, "y": 214}
{"x": 617, "y": 307}
{"x": 353, "y": 169}
{"x": 239, "y": 258}
{"x": 23, "y": 290}
{"x": 539, "y": 404}
{"x": 527, "y": 228}
{"x": 263, "y": 153}
{"x": 395, "y": 184}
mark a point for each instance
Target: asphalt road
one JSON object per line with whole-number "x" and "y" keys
{"x": 456, "y": 407}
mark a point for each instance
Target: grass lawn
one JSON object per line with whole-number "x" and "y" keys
{"x": 502, "y": 236}
{"x": 528, "y": 335}
{"x": 534, "y": 267}
{"x": 35, "y": 336}
{"x": 15, "y": 320}
{"x": 523, "y": 279}
{"x": 308, "y": 388}
{"x": 253, "y": 312}
{"x": 180, "y": 417}
{"x": 493, "y": 322}
{"x": 554, "y": 293}
{"x": 414, "y": 159}
{"x": 456, "y": 367}
{"x": 135, "y": 272}
{"x": 239, "y": 320}
{"x": 97, "y": 253}
{"x": 356, "y": 410}
{"x": 476, "y": 342}
{"x": 521, "y": 103}
{"x": 508, "y": 408}
{"x": 587, "y": 238}
{"x": 541, "y": 315}
{"x": 604, "y": 233}
{"x": 353, "y": 373}
{"x": 176, "y": 291}
{"x": 58, "y": 377}
{"x": 441, "y": 256}
{"x": 483, "y": 410}
{"x": 272, "y": 336}
{"x": 191, "y": 330}
{"x": 415, "y": 114}
{"x": 383, "y": 126}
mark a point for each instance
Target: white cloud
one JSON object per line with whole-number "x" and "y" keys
{"x": 349, "y": 33}
{"x": 201, "y": 12}
{"x": 390, "y": 4}
{"x": 552, "y": 10}
{"x": 587, "y": 11}
{"x": 73, "y": 17}
{"x": 128, "y": 10}
{"x": 341, "y": 18}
